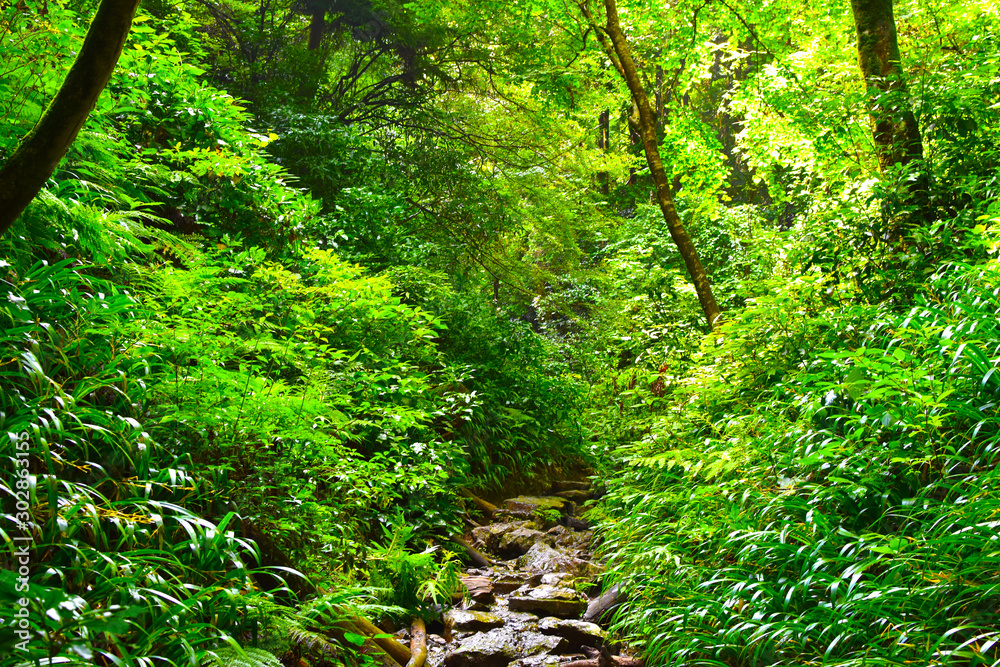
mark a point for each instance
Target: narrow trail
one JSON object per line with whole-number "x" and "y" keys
{"x": 535, "y": 604}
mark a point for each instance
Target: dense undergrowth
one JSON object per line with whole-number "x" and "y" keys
{"x": 209, "y": 421}
{"x": 814, "y": 483}
{"x": 224, "y": 435}
{"x": 836, "y": 505}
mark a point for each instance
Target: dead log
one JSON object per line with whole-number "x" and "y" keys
{"x": 618, "y": 660}
{"x": 475, "y": 554}
{"x": 604, "y": 603}
{"x": 418, "y": 643}
{"x": 489, "y": 509}
{"x": 360, "y": 625}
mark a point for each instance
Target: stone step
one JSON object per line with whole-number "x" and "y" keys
{"x": 567, "y": 485}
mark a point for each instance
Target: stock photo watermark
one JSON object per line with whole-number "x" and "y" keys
{"x": 22, "y": 541}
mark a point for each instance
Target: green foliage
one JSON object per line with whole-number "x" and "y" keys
{"x": 106, "y": 518}
{"x": 415, "y": 582}
{"x": 521, "y": 398}
{"x": 270, "y": 375}
{"x": 808, "y": 500}
{"x": 242, "y": 657}
{"x": 162, "y": 155}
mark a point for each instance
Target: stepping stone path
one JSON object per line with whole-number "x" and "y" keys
{"x": 528, "y": 609}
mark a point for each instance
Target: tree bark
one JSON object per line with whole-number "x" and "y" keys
{"x": 894, "y": 127}
{"x": 316, "y": 28}
{"x": 39, "y": 153}
{"x": 489, "y": 509}
{"x": 362, "y": 626}
{"x": 418, "y": 643}
{"x": 620, "y": 55}
{"x": 604, "y": 144}
{"x": 478, "y": 557}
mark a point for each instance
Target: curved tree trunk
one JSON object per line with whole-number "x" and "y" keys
{"x": 317, "y": 25}
{"x": 39, "y": 153}
{"x": 620, "y": 55}
{"x": 895, "y": 130}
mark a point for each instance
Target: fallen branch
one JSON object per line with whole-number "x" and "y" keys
{"x": 418, "y": 643}
{"x": 475, "y": 554}
{"x": 619, "y": 661}
{"x": 489, "y": 509}
{"x": 360, "y": 625}
{"x": 601, "y": 605}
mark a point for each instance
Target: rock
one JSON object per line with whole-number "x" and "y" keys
{"x": 531, "y": 506}
{"x": 456, "y": 620}
{"x": 576, "y": 523}
{"x": 499, "y": 647}
{"x": 576, "y": 633}
{"x": 540, "y": 660}
{"x": 574, "y": 540}
{"x": 489, "y": 536}
{"x": 543, "y": 558}
{"x": 574, "y": 495}
{"x": 480, "y": 589}
{"x": 510, "y": 583}
{"x": 550, "y": 601}
{"x": 566, "y": 485}
{"x": 549, "y": 579}
{"x": 519, "y": 541}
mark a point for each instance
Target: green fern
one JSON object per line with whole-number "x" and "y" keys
{"x": 230, "y": 656}
{"x": 59, "y": 223}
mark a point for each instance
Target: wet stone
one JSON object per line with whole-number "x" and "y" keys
{"x": 575, "y": 495}
{"x": 576, "y": 633}
{"x": 499, "y": 647}
{"x": 531, "y": 506}
{"x": 519, "y": 541}
{"x": 540, "y": 660}
{"x": 457, "y": 620}
{"x": 550, "y": 579}
{"x": 509, "y": 584}
{"x": 550, "y": 601}
{"x": 480, "y": 589}
{"x": 543, "y": 558}
{"x": 489, "y": 536}
{"x": 573, "y": 540}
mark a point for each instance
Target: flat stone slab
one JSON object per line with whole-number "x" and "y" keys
{"x": 576, "y": 633}
{"x": 457, "y": 620}
{"x": 509, "y": 583}
{"x": 531, "y": 506}
{"x": 575, "y": 495}
{"x": 540, "y": 660}
{"x": 550, "y": 601}
{"x": 550, "y": 579}
{"x": 499, "y": 647}
{"x": 567, "y": 485}
{"x": 543, "y": 558}
{"x": 480, "y": 589}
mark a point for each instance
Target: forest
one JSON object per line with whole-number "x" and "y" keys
{"x": 294, "y": 294}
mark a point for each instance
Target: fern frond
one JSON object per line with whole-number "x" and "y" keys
{"x": 248, "y": 657}
{"x": 309, "y": 642}
{"x": 99, "y": 232}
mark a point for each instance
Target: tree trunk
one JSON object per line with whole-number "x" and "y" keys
{"x": 604, "y": 144}
{"x": 316, "y": 28}
{"x": 895, "y": 131}
{"x": 418, "y": 643}
{"x": 646, "y": 125}
{"x": 39, "y": 153}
